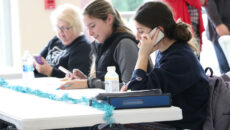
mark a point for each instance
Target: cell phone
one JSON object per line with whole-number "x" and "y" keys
{"x": 64, "y": 70}
{"x": 159, "y": 37}
{"x": 38, "y": 59}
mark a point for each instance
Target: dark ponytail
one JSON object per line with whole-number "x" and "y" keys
{"x": 182, "y": 32}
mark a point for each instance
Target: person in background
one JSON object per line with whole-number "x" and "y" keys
{"x": 69, "y": 48}
{"x": 189, "y": 11}
{"x": 218, "y": 25}
{"x": 177, "y": 69}
{"x": 114, "y": 45}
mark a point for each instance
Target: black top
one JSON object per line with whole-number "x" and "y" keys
{"x": 75, "y": 55}
{"x": 178, "y": 71}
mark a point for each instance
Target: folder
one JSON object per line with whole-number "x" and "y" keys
{"x": 136, "y": 99}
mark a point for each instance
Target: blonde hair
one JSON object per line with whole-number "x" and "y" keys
{"x": 70, "y": 14}
{"x": 100, "y": 9}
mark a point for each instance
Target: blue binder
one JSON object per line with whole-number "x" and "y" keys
{"x": 137, "y": 99}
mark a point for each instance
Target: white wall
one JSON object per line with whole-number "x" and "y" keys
{"x": 34, "y": 24}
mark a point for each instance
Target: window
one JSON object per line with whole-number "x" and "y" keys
{"x": 127, "y": 9}
{"x": 9, "y": 43}
{"x": 5, "y": 34}
{"x": 127, "y": 5}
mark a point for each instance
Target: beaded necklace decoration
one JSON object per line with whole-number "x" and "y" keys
{"x": 108, "y": 109}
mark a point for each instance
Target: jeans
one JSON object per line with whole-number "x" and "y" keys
{"x": 222, "y": 61}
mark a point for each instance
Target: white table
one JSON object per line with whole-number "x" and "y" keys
{"x": 29, "y": 112}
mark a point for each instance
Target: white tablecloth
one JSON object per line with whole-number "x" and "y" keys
{"x": 29, "y": 112}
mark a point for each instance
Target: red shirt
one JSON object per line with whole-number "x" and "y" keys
{"x": 180, "y": 10}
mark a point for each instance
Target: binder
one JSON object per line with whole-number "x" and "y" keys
{"x": 136, "y": 99}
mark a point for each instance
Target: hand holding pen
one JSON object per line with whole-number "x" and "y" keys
{"x": 76, "y": 79}
{"x": 74, "y": 84}
{"x": 124, "y": 87}
{"x": 77, "y": 74}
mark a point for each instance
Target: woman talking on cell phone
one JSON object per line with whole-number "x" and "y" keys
{"x": 176, "y": 71}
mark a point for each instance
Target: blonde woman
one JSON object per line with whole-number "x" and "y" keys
{"x": 69, "y": 48}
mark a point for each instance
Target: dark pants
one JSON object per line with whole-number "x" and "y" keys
{"x": 138, "y": 126}
{"x": 6, "y": 126}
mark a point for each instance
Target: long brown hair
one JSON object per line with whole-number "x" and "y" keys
{"x": 100, "y": 9}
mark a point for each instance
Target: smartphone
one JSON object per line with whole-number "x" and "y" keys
{"x": 38, "y": 59}
{"x": 64, "y": 70}
{"x": 67, "y": 71}
{"x": 159, "y": 37}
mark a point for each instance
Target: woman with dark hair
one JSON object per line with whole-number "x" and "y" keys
{"x": 176, "y": 71}
{"x": 114, "y": 45}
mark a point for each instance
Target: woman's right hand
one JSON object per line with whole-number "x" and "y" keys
{"x": 124, "y": 87}
{"x": 77, "y": 74}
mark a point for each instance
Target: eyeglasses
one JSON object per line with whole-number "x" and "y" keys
{"x": 63, "y": 28}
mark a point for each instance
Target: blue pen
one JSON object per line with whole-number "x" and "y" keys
{"x": 64, "y": 86}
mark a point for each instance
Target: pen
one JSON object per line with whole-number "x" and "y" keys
{"x": 64, "y": 86}
{"x": 64, "y": 70}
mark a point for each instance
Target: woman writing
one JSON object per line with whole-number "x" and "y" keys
{"x": 114, "y": 46}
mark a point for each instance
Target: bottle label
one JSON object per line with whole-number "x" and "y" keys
{"x": 111, "y": 78}
{"x": 112, "y": 85}
{"x": 28, "y": 68}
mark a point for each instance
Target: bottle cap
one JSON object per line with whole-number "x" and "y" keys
{"x": 111, "y": 68}
{"x": 26, "y": 53}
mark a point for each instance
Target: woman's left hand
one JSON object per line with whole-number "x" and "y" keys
{"x": 74, "y": 84}
{"x": 45, "y": 69}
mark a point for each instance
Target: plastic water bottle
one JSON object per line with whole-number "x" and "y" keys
{"x": 27, "y": 65}
{"x": 111, "y": 80}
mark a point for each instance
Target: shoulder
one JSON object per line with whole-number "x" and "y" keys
{"x": 180, "y": 55}
{"x": 55, "y": 42}
{"x": 127, "y": 43}
{"x": 126, "y": 46}
{"x": 81, "y": 42}
{"x": 55, "y": 39}
{"x": 118, "y": 36}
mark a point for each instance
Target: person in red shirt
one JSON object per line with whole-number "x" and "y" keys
{"x": 189, "y": 11}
